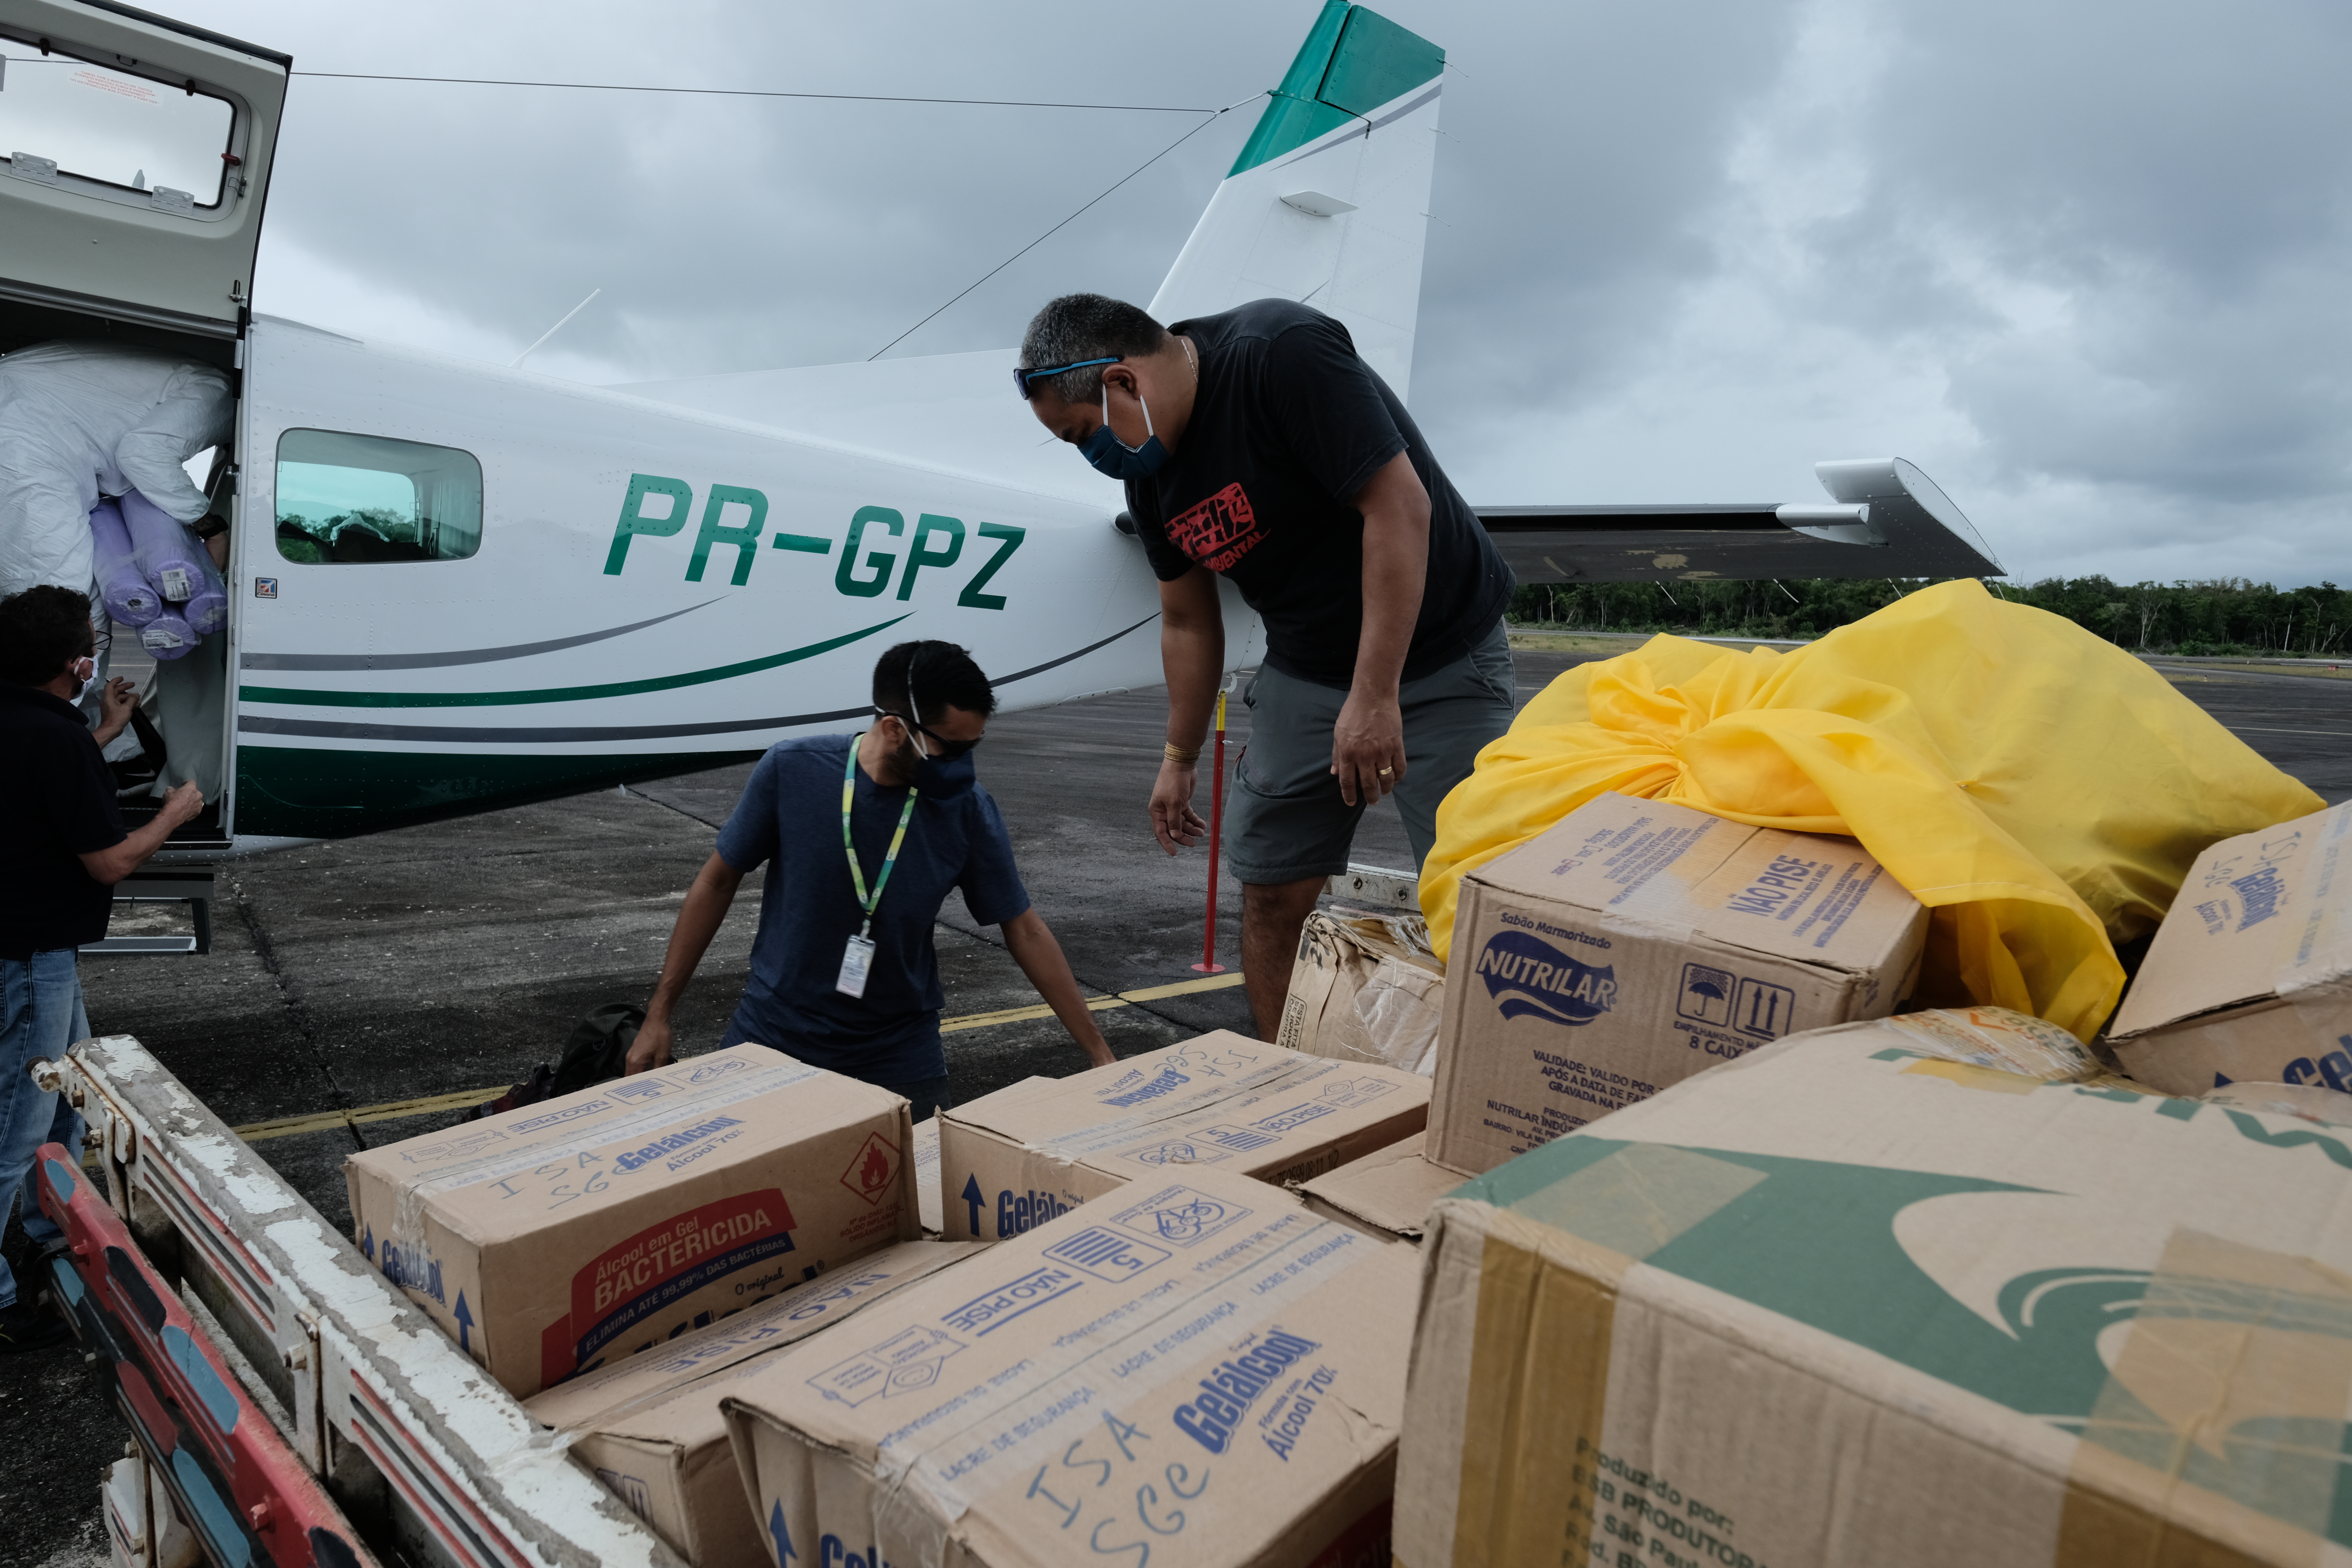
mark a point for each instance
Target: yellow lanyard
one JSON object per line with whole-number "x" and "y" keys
{"x": 856, "y": 875}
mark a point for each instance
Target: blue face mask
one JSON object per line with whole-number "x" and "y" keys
{"x": 1117, "y": 460}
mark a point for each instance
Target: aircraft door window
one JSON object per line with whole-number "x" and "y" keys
{"x": 365, "y": 499}
{"x": 59, "y": 115}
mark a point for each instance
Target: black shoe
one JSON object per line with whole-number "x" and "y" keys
{"x": 27, "y": 1327}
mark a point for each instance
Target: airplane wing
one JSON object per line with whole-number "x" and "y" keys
{"x": 1884, "y": 519}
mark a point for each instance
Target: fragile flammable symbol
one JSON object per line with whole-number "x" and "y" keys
{"x": 869, "y": 1173}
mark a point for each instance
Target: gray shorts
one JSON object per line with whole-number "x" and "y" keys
{"x": 1288, "y": 821}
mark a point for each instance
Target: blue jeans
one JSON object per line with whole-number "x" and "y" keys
{"x": 40, "y": 1015}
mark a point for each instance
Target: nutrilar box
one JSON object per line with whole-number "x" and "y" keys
{"x": 1637, "y": 942}
{"x": 2249, "y": 977}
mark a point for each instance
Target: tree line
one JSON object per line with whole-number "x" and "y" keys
{"x": 2228, "y": 616}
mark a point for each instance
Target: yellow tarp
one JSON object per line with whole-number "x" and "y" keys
{"x": 2041, "y": 790}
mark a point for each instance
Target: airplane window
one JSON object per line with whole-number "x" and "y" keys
{"x": 112, "y": 126}
{"x": 369, "y": 499}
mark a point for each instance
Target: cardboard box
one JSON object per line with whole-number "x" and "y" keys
{"x": 2308, "y": 1100}
{"x": 1637, "y": 942}
{"x": 1836, "y": 1303}
{"x": 651, "y": 1428}
{"x": 1992, "y": 1038}
{"x": 1012, "y": 1160}
{"x": 926, "y": 1173}
{"x": 1395, "y": 1018}
{"x": 1193, "y": 1370}
{"x": 1365, "y": 988}
{"x": 570, "y": 1234}
{"x": 2249, "y": 977}
{"x": 1386, "y": 1195}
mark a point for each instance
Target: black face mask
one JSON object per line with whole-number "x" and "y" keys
{"x": 944, "y": 778}
{"x": 942, "y": 769}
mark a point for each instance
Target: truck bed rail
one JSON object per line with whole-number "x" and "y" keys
{"x": 404, "y": 1432}
{"x": 230, "y": 1475}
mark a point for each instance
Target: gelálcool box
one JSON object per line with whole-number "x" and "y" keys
{"x": 1012, "y": 1160}
{"x": 1192, "y": 1369}
{"x": 650, "y": 1428}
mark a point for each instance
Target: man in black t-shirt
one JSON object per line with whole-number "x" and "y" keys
{"x": 63, "y": 849}
{"x": 1257, "y": 445}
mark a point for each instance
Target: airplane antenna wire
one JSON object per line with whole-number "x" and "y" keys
{"x": 553, "y": 330}
{"x": 757, "y": 92}
{"x": 1065, "y": 223}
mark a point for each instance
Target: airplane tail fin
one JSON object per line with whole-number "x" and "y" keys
{"x": 1329, "y": 202}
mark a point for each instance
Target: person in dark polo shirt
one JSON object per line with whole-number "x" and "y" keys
{"x": 864, "y": 837}
{"x": 63, "y": 849}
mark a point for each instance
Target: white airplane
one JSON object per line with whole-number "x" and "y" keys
{"x": 458, "y": 586}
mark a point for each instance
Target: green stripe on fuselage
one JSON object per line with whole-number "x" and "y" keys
{"x": 315, "y": 698}
{"x": 1354, "y": 60}
{"x": 331, "y": 792}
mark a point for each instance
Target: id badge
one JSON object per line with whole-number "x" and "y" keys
{"x": 856, "y": 961}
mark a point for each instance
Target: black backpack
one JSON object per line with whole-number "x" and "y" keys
{"x": 598, "y": 1051}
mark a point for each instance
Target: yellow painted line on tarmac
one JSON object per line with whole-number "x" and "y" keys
{"x": 1096, "y": 1003}
{"x": 1019, "y": 1014}
{"x": 394, "y": 1110}
{"x": 391, "y": 1109}
{"x": 1224, "y": 981}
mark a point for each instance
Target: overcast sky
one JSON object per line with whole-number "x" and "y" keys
{"x": 2085, "y": 264}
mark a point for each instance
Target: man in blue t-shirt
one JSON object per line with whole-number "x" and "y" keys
{"x": 844, "y": 973}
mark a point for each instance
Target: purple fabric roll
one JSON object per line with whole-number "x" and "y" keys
{"x": 169, "y": 556}
{"x": 128, "y": 597}
{"x": 207, "y": 608}
{"x": 207, "y": 612}
{"x": 168, "y": 635}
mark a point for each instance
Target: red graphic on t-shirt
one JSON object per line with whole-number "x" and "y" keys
{"x": 1218, "y": 532}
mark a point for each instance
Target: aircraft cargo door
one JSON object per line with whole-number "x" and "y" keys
{"x": 135, "y": 158}
{"x": 135, "y": 154}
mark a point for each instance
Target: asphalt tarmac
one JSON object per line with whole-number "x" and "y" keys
{"x": 348, "y": 979}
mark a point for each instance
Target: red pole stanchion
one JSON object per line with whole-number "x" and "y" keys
{"x": 1209, "y": 964}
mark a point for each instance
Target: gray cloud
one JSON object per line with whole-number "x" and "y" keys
{"x": 2083, "y": 263}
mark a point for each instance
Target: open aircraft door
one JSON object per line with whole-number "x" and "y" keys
{"x": 138, "y": 156}
{"x": 135, "y": 159}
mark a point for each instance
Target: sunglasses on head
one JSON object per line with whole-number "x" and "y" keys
{"x": 1022, "y": 378}
{"x": 945, "y": 750}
